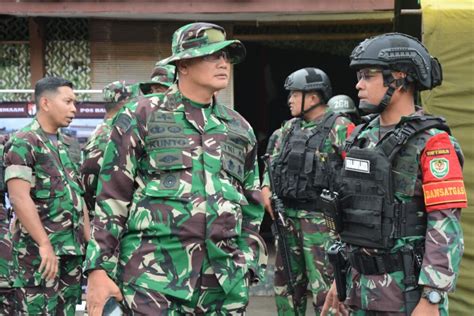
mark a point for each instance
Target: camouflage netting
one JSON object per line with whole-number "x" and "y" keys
{"x": 67, "y": 52}
{"x": 14, "y": 58}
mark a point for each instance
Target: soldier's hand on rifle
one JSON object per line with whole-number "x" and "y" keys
{"x": 99, "y": 289}
{"x": 267, "y": 202}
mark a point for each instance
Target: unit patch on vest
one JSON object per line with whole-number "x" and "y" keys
{"x": 439, "y": 167}
{"x": 357, "y": 165}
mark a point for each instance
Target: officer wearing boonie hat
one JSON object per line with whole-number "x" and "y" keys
{"x": 201, "y": 39}
{"x": 188, "y": 242}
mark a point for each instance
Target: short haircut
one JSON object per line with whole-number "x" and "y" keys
{"x": 50, "y": 84}
{"x": 317, "y": 93}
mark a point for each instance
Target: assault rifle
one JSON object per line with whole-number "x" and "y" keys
{"x": 279, "y": 231}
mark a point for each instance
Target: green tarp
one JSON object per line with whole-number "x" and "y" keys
{"x": 448, "y": 33}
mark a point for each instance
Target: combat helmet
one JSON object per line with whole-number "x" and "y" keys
{"x": 397, "y": 52}
{"x": 345, "y": 105}
{"x": 201, "y": 39}
{"x": 309, "y": 79}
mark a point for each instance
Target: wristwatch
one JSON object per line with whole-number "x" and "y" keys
{"x": 433, "y": 296}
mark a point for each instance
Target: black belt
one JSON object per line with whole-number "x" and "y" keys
{"x": 376, "y": 264}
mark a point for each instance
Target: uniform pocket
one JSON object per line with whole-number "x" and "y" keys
{"x": 48, "y": 186}
{"x": 171, "y": 173}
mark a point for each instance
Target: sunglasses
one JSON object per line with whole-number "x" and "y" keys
{"x": 367, "y": 73}
{"x": 215, "y": 57}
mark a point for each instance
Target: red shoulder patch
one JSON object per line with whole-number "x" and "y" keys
{"x": 443, "y": 184}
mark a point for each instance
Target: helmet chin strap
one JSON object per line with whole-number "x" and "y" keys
{"x": 387, "y": 81}
{"x": 303, "y": 111}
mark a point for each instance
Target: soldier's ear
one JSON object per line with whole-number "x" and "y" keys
{"x": 182, "y": 66}
{"x": 44, "y": 104}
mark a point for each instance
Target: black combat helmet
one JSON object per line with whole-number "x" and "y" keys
{"x": 310, "y": 79}
{"x": 398, "y": 52}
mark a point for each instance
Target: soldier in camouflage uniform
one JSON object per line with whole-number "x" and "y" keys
{"x": 403, "y": 188}
{"x": 306, "y": 158}
{"x": 161, "y": 79}
{"x": 178, "y": 201}
{"x": 116, "y": 94}
{"x": 6, "y": 295}
{"x": 44, "y": 188}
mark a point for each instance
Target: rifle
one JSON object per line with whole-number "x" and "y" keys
{"x": 279, "y": 230}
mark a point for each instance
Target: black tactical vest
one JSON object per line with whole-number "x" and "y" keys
{"x": 372, "y": 216}
{"x": 302, "y": 170}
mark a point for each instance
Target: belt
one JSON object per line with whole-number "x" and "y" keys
{"x": 376, "y": 264}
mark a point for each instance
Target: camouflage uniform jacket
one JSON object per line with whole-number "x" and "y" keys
{"x": 55, "y": 189}
{"x": 333, "y": 144}
{"x": 93, "y": 156}
{"x": 170, "y": 193}
{"x": 444, "y": 243}
{"x": 5, "y": 235}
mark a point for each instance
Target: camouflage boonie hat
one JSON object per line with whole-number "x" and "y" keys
{"x": 116, "y": 91}
{"x": 163, "y": 75}
{"x": 201, "y": 39}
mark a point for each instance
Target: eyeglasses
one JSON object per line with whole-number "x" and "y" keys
{"x": 215, "y": 57}
{"x": 367, "y": 73}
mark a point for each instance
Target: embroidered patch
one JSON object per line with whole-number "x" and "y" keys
{"x": 439, "y": 167}
{"x": 437, "y": 152}
{"x": 444, "y": 192}
{"x": 357, "y": 165}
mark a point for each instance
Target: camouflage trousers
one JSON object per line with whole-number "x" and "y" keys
{"x": 54, "y": 297}
{"x": 307, "y": 240}
{"x": 208, "y": 299}
{"x": 7, "y": 302}
{"x": 443, "y": 311}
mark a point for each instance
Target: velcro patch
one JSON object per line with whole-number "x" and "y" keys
{"x": 438, "y": 152}
{"x": 445, "y": 192}
{"x": 357, "y": 165}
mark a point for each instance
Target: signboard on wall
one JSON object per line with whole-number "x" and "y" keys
{"x": 28, "y": 109}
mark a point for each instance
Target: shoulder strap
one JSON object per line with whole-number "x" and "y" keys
{"x": 323, "y": 129}
{"x": 357, "y": 130}
{"x": 408, "y": 129}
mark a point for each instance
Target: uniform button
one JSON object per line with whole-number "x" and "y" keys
{"x": 169, "y": 181}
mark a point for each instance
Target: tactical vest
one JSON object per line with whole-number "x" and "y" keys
{"x": 303, "y": 170}
{"x": 372, "y": 216}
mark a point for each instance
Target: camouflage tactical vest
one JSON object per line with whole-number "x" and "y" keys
{"x": 372, "y": 216}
